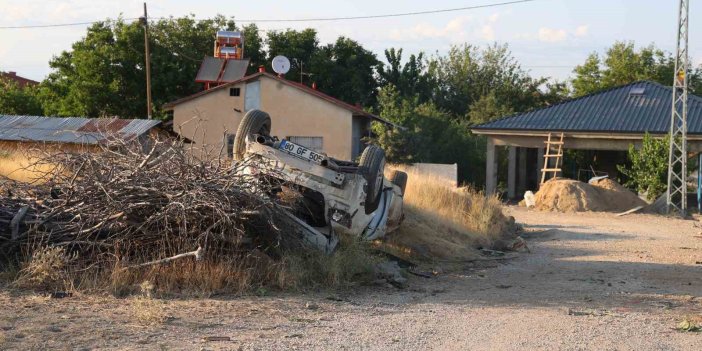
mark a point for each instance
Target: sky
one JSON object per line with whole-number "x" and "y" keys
{"x": 548, "y": 37}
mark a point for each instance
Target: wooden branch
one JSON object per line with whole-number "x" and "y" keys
{"x": 16, "y": 220}
{"x": 197, "y": 254}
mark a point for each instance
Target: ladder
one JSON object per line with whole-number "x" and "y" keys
{"x": 554, "y": 151}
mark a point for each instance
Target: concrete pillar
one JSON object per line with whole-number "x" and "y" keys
{"x": 490, "y": 168}
{"x": 522, "y": 170}
{"x": 512, "y": 172}
{"x": 539, "y": 165}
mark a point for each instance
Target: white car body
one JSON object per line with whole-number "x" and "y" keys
{"x": 343, "y": 189}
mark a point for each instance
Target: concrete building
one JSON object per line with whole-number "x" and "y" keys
{"x": 605, "y": 122}
{"x": 210, "y": 118}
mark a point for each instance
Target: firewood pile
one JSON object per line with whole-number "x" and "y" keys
{"x": 137, "y": 203}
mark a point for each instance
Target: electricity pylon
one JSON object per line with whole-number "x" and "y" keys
{"x": 677, "y": 157}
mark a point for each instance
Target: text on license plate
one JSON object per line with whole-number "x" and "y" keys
{"x": 301, "y": 152}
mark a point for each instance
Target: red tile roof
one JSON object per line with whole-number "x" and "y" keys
{"x": 354, "y": 109}
{"x": 21, "y": 81}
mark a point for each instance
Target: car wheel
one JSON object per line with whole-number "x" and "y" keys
{"x": 254, "y": 122}
{"x": 372, "y": 166}
{"x": 399, "y": 178}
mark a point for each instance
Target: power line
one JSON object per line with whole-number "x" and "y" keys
{"x": 318, "y": 19}
{"x": 171, "y": 49}
{"x": 385, "y": 15}
{"x": 61, "y": 24}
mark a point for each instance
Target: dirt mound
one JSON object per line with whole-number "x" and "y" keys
{"x": 616, "y": 197}
{"x": 567, "y": 195}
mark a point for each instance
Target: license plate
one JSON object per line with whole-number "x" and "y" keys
{"x": 301, "y": 152}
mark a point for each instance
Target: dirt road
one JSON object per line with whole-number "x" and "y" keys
{"x": 592, "y": 281}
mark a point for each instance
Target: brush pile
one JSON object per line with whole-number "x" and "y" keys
{"x": 133, "y": 203}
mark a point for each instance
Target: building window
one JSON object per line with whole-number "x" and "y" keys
{"x": 234, "y": 91}
{"x": 230, "y": 145}
{"x": 314, "y": 143}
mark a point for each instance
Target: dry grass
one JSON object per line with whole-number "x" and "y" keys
{"x": 19, "y": 163}
{"x": 448, "y": 223}
{"x": 148, "y": 311}
{"x": 237, "y": 275}
{"x": 691, "y": 323}
{"x": 46, "y": 269}
{"x": 352, "y": 263}
{"x": 51, "y": 270}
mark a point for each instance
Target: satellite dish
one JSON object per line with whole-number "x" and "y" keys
{"x": 281, "y": 64}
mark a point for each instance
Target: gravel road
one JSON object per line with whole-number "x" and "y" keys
{"x": 592, "y": 281}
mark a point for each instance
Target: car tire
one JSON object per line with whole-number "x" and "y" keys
{"x": 399, "y": 178}
{"x": 372, "y": 165}
{"x": 254, "y": 122}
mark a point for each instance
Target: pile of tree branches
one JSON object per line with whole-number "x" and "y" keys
{"x": 137, "y": 202}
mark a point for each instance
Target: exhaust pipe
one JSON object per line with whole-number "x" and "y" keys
{"x": 261, "y": 139}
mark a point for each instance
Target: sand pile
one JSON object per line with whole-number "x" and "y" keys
{"x": 567, "y": 195}
{"x": 616, "y": 197}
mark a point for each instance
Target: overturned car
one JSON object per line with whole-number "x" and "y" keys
{"x": 332, "y": 196}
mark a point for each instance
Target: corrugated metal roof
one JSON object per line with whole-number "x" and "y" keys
{"x": 633, "y": 108}
{"x": 71, "y": 129}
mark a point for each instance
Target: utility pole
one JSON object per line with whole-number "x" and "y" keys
{"x": 677, "y": 157}
{"x": 145, "y": 22}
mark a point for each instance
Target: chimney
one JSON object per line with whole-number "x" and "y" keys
{"x": 261, "y": 68}
{"x": 12, "y": 74}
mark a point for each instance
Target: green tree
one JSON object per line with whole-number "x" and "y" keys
{"x": 16, "y": 100}
{"x": 468, "y": 73}
{"x": 588, "y": 76}
{"x": 486, "y": 109}
{"x": 400, "y": 143}
{"x": 623, "y": 64}
{"x": 648, "y": 171}
{"x": 253, "y": 47}
{"x": 345, "y": 70}
{"x": 299, "y": 46}
{"x": 427, "y": 135}
{"x": 179, "y": 46}
{"x": 411, "y": 79}
{"x": 104, "y": 73}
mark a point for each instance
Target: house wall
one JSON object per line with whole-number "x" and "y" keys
{"x": 293, "y": 113}
{"x": 205, "y": 120}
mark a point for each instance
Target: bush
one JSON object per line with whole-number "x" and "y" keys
{"x": 648, "y": 171}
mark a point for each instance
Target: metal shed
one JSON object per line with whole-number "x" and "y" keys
{"x": 77, "y": 130}
{"x": 610, "y": 120}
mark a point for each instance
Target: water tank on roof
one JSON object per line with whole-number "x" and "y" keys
{"x": 229, "y": 37}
